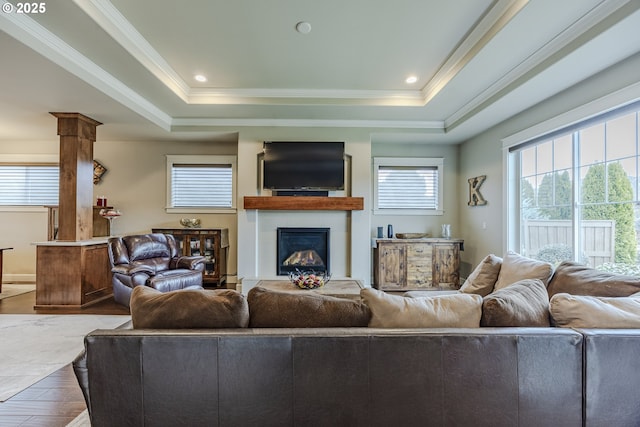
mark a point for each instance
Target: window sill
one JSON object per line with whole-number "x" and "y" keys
{"x": 417, "y": 212}
{"x": 26, "y": 209}
{"x": 201, "y": 210}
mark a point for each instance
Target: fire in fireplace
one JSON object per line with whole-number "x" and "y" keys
{"x": 302, "y": 249}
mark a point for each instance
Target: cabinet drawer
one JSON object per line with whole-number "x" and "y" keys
{"x": 419, "y": 251}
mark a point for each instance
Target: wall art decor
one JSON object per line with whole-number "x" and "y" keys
{"x": 475, "y": 197}
{"x": 98, "y": 171}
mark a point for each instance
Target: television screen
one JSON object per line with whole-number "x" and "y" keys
{"x": 303, "y": 165}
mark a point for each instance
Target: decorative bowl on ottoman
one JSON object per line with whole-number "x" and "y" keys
{"x": 309, "y": 279}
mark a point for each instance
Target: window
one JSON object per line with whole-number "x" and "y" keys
{"x": 578, "y": 193}
{"x": 409, "y": 186}
{"x": 29, "y": 184}
{"x": 201, "y": 183}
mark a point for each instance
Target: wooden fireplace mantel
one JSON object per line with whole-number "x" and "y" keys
{"x": 309, "y": 203}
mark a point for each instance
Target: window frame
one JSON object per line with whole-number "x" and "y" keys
{"x": 417, "y": 162}
{"x": 201, "y": 160}
{"x": 578, "y": 120}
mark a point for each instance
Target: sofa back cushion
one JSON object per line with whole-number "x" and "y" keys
{"x": 443, "y": 311}
{"x": 577, "y": 279}
{"x": 524, "y": 303}
{"x": 188, "y": 309}
{"x": 483, "y": 278}
{"x": 304, "y": 309}
{"x": 584, "y": 311}
{"x": 516, "y": 267}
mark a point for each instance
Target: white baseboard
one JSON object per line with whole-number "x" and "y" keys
{"x": 18, "y": 278}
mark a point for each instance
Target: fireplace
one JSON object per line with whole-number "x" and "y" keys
{"x": 302, "y": 249}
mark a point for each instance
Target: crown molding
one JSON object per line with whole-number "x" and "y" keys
{"x": 569, "y": 40}
{"x": 489, "y": 25}
{"x": 109, "y": 18}
{"x": 190, "y": 124}
{"x": 403, "y": 98}
{"x": 29, "y": 32}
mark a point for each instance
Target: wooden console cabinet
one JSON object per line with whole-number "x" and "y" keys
{"x": 212, "y": 243}
{"x": 417, "y": 264}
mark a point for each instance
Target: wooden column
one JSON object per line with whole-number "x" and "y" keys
{"x": 77, "y": 135}
{"x": 73, "y": 272}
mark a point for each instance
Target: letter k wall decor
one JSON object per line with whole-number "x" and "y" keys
{"x": 475, "y": 197}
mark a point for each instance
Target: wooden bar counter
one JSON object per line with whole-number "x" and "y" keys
{"x": 72, "y": 274}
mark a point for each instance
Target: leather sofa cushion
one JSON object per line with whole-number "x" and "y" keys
{"x": 516, "y": 267}
{"x": 583, "y": 311}
{"x": 578, "y": 279}
{"x": 143, "y": 247}
{"x": 443, "y": 311}
{"x": 188, "y": 309}
{"x": 483, "y": 278}
{"x": 524, "y": 303}
{"x": 172, "y": 280}
{"x": 304, "y": 309}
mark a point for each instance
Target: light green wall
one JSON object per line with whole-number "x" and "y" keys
{"x": 483, "y": 155}
{"x": 424, "y": 223}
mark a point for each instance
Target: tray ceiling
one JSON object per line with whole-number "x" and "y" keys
{"x": 132, "y": 64}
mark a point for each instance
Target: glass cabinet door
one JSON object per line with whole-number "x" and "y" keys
{"x": 194, "y": 246}
{"x": 209, "y": 255}
{"x": 180, "y": 240}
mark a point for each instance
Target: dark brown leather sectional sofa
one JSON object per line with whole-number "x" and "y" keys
{"x": 362, "y": 377}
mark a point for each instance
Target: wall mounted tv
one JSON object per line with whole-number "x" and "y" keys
{"x": 303, "y": 168}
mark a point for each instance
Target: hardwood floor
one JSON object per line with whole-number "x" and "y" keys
{"x": 57, "y": 399}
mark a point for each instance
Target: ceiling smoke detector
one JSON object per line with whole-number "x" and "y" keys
{"x": 303, "y": 27}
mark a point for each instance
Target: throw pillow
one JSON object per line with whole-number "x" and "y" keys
{"x": 304, "y": 309}
{"x": 516, "y": 267}
{"x": 578, "y": 279}
{"x": 188, "y": 309}
{"x": 583, "y": 311}
{"x": 524, "y": 303}
{"x": 483, "y": 278}
{"x": 443, "y": 311}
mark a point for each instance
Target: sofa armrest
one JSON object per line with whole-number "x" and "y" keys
{"x": 82, "y": 375}
{"x": 130, "y": 269}
{"x": 188, "y": 262}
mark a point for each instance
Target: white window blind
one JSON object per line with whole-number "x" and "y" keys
{"x": 202, "y": 185}
{"x": 29, "y": 185}
{"x": 408, "y": 185}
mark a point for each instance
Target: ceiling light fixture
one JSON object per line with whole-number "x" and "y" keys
{"x": 200, "y": 78}
{"x": 411, "y": 80}
{"x": 303, "y": 27}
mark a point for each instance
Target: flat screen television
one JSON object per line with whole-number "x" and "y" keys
{"x": 303, "y": 166}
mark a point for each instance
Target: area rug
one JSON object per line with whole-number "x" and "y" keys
{"x": 9, "y": 290}
{"x": 33, "y": 346}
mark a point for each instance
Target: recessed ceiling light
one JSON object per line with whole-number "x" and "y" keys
{"x": 303, "y": 27}
{"x": 200, "y": 78}
{"x": 411, "y": 79}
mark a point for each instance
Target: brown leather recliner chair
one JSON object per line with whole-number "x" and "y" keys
{"x": 151, "y": 260}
